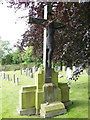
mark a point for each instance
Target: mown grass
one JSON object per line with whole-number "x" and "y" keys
{"x": 78, "y": 95}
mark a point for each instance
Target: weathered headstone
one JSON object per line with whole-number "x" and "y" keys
{"x": 33, "y": 69}
{"x": 7, "y": 77}
{"x": 63, "y": 68}
{"x": 31, "y": 75}
{"x": 13, "y": 78}
{"x": 69, "y": 73}
{"x": 21, "y": 70}
{"x": 88, "y": 71}
{"x": 59, "y": 68}
{"x": 17, "y": 81}
{"x": 3, "y": 75}
{"x": 74, "y": 68}
{"x": 27, "y": 71}
{"x": 0, "y": 75}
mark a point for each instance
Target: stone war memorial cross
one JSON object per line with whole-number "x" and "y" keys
{"x": 51, "y": 26}
{"x": 47, "y": 97}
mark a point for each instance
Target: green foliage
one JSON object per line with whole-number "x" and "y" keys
{"x": 4, "y": 48}
{"x": 27, "y": 55}
{"x": 7, "y": 59}
{"x": 18, "y": 57}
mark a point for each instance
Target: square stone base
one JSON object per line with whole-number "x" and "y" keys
{"x": 30, "y": 111}
{"x": 52, "y": 109}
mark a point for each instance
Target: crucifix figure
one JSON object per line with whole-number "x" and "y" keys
{"x": 50, "y": 26}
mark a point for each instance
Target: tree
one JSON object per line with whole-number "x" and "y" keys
{"x": 7, "y": 59}
{"x": 72, "y": 43}
{"x": 4, "y": 48}
{"x": 17, "y": 57}
{"x": 27, "y": 55}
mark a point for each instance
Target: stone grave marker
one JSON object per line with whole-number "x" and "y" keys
{"x": 0, "y": 75}
{"x": 13, "y": 78}
{"x": 74, "y": 68}
{"x": 27, "y": 71}
{"x": 21, "y": 70}
{"x": 7, "y": 77}
{"x": 33, "y": 69}
{"x": 17, "y": 81}
{"x": 59, "y": 68}
{"x": 30, "y": 73}
{"x": 3, "y": 75}
{"x": 69, "y": 73}
{"x": 88, "y": 71}
{"x": 63, "y": 68}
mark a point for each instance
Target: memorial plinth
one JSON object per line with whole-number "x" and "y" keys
{"x": 46, "y": 99}
{"x": 53, "y": 109}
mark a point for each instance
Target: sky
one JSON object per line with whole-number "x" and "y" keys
{"x": 11, "y": 27}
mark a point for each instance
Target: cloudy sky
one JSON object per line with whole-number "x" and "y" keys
{"x": 11, "y": 28}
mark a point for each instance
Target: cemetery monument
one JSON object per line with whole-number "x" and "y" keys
{"x": 47, "y": 97}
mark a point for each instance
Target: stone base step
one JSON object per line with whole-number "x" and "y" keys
{"x": 30, "y": 111}
{"x": 52, "y": 109}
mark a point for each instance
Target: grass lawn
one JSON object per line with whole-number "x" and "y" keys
{"x": 78, "y": 95}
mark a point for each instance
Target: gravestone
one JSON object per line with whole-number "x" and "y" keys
{"x": 3, "y": 75}
{"x": 59, "y": 68}
{"x": 27, "y": 71}
{"x": 13, "y": 78}
{"x": 63, "y": 68}
{"x": 69, "y": 73}
{"x": 7, "y": 77}
{"x": 88, "y": 71}
{"x": 74, "y": 68}
{"x": 33, "y": 69}
{"x": 17, "y": 81}
{"x": 30, "y": 73}
{"x": 21, "y": 70}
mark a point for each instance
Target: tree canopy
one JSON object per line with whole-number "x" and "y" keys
{"x": 4, "y": 48}
{"x": 72, "y": 42}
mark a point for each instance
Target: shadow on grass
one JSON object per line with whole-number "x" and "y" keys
{"x": 77, "y": 104}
